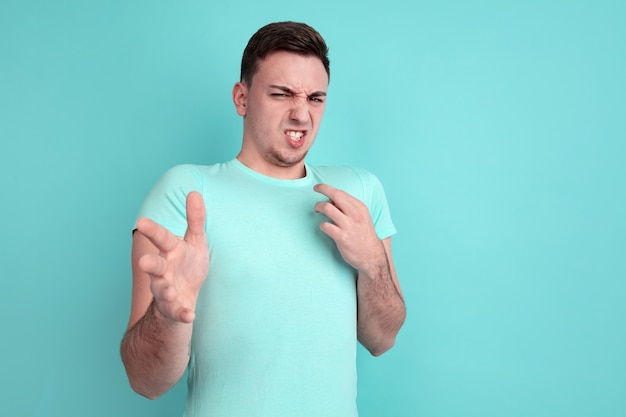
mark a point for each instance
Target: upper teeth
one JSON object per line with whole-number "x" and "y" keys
{"x": 295, "y": 134}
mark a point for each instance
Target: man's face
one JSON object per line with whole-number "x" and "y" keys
{"x": 282, "y": 111}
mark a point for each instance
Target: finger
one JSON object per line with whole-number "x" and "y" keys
{"x": 186, "y": 315}
{"x": 196, "y": 215}
{"x": 157, "y": 234}
{"x": 327, "y": 190}
{"x": 341, "y": 199}
{"x": 329, "y": 210}
{"x": 332, "y": 230}
{"x": 331, "y": 192}
{"x": 153, "y": 264}
{"x": 165, "y": 298}
{"x": 163, "y": 291}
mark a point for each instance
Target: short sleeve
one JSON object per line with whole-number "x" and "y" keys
{"x": 376, "y": 201}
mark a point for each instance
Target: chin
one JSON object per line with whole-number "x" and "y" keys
{"x": 286, "y": 159}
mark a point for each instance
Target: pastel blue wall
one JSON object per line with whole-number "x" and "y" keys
{"x": 498, "y": 129}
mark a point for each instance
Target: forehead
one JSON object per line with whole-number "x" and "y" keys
{"x": 292, "y": 70}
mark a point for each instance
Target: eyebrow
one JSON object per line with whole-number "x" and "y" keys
{"x": 290, "y": 91}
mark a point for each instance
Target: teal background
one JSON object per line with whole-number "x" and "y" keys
{"x": 498, "y": 129}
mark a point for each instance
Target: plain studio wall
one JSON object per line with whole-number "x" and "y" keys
{"x": 498, "y": 129}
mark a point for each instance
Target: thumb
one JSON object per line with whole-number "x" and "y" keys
{"x": 196, "y": 215}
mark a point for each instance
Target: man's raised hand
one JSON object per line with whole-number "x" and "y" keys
{"x": 179, "y": 269}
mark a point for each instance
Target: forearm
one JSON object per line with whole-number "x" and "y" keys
{"x": 381, "y": 311}
{"x": 155, "y": 352}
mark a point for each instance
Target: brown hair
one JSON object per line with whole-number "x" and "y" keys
{"x": 298, "y": 38}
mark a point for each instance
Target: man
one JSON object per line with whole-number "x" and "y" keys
{"x": 259, "y": 274}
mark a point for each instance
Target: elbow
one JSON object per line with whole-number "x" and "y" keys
{"x": 139, "y": 382}
{"x": 143, "y": 390}
{"x": 145, "y": 385}
{"x": 148, "y": 395}
{"x": 377, "y": 349}
{"x": 383, "y": 338}
{"x": 379, "y": 345}
{"x": 149, "y": 385}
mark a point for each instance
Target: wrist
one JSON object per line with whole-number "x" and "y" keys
{"x": 375, "y": 264}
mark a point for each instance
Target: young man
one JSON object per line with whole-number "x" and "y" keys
{"x": 260, "y": 273}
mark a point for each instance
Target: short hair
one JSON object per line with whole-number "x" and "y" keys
{"x": 298, "y": 38}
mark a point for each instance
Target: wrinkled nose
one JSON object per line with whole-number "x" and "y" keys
{"x": 300, "y": 110}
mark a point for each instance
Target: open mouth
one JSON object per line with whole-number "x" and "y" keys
{"x": 295, "y": 137}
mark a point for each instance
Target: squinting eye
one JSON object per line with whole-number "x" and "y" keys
{"x": 316, "y": 99}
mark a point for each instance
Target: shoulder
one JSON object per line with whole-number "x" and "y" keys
{"x": 176, "y": 182}
{"x": 191, "y": 170}
{"x": 183, "y": 171}
{"x": 191, "y": 175}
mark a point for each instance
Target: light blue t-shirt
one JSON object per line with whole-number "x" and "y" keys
{"x": 275, "y": 328}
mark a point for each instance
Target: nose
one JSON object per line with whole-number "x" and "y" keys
{"x": 299, "y": 110}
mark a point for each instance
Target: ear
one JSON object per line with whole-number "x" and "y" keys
{"x": 240, "y": 98}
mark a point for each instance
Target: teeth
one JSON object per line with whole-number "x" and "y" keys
{"x": 294, "y": 134}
